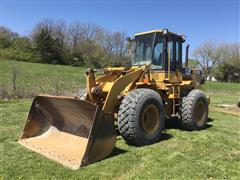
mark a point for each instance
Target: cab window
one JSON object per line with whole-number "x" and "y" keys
{"x": 170, "y": 54}
{"x": 177, "y": 52}
{"x": 178, "y": 55}
{"x": 158, "y": 55}
{"x": 143, "y": 49}
{"x": 170, "y": 49}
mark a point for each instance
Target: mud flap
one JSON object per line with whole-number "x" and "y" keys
{"x": 70, "y": 131}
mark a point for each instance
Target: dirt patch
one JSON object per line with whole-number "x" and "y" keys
{"x": 228, "y": 110}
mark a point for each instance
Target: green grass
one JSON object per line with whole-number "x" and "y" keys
{"x": 221, "y": 86}
{"x": 211, "y": 153}
{"x": 224, "y": 98}
{"x": 34, "y": 78}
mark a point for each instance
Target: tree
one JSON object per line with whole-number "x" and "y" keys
{"x": 192, "y": 63}
{"x": 78, "y": 33}
{"x": 78, "y": 44}
{"x": 205, "y": 57}
{"x": 94, "y": 55}
{"x": 219, "y": 60}
{"x": 49, "y": 40}
{"x": 228, "y": 67}
{"x": 7, "y": 37}
{"x": 14, "y": 47}
{"x": 228, "y": 72}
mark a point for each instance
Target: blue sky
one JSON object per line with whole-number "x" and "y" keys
{"x": 201, "y": 21}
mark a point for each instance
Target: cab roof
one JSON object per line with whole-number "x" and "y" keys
{"x": 158, "y": 30}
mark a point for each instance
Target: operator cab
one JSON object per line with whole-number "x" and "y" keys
{"x": 156, "y": 47}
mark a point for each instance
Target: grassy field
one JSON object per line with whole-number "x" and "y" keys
{"x": 224, "y": 98}
{"x": 211, "y": 153}
{"x": 34, "y": 78}
{"x": 221, "y": 87}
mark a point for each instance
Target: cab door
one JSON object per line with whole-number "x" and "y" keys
{"x": 173, "y": 56}
{"x": 174, "y": 53}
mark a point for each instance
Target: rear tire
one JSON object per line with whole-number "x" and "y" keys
{"x": 194, "y": 111}
{"x": 141, "y": 117}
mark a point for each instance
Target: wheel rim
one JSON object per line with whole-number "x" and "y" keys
{"x": 150, "y": 118}
{"x": 200, "y": 112}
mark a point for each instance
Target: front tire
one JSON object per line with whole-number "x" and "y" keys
{"x": 141, "y": 117}
{"x": 194, "y": 111}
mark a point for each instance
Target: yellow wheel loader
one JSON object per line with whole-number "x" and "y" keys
{"x": 76, "y": 131}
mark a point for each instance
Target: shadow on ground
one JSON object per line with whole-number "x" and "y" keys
{"x": 165, "y": 136}
{"x": 117, "y": 151}
{"x": 173, "y": 123}
{"x": 170, "y": 123}
{"x": 210, "y": 120}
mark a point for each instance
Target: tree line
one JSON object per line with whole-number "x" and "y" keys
{"x": 56, "y": 42}
{"x": 90, "y": 45}
{"x": 221, "y": 61}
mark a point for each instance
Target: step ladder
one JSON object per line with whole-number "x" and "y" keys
{"x": 176, "y": 96}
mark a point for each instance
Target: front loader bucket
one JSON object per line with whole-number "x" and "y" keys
{"x": 70, "y": 131}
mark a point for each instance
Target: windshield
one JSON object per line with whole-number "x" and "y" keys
{"x": 144, "y": 53}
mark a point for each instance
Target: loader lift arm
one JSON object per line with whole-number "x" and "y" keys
{"x": 118, "y": 85}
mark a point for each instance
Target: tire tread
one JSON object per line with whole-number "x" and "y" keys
{"x": 127, "y": 113}
{"x": 186, "y": 109}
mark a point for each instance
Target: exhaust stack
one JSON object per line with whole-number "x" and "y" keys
{"x": 186, "y": 56}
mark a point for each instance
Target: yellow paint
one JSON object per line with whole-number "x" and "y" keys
{"x": 148, "y": 32}
{"x": 118, "y": 86}
{"x": 107, "y": 86}
{"x": 115, "y": 68}
{"x": 153, "y": 31}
